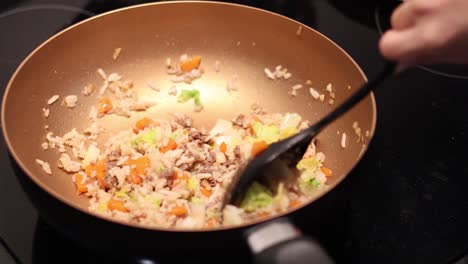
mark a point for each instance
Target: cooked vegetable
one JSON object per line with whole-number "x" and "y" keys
{"x": 104, "y": 106}
{"x": 171, "y": 145}
{"x": 179, "y": 211}
{"x": 117, "y": 205}
{"x": 138, "y": 168}
{"x": 80, "y": 187}
{"x": 290, "y": 120}
{"x": 144, "y": 123}
{"x": 257, "y": 196}
{"x": 196, "y": 200}
{"x": 307, "y": 182}
{"x": 193, "y": 184}
{"x": 97, "y": 170}
{"x": 294, "y": 203}
{"x": 310, "y": 164}
{"x": 267, "y": 133}
{"x": 191, "y": 63}
{"x": 148, "y": 137}
{"x": 179, "y": 176}
{"x": 258, "y": 147}
{"x": 206, "y": 192}
{"x": 287, "y": 132}
{"x": 186, "y": 95}
{"x": 326, "y": 171}
{"x": 223, "y": 147}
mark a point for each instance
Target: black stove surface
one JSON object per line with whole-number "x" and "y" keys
{"x": 408, "y": 201}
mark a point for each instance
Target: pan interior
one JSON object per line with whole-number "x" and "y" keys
{"x": 244, "y": 40}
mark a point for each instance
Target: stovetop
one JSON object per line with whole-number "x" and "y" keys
{"x": 408, "y": 202}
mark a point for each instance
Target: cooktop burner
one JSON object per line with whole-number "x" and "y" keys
{"x": 24, "y": 28}
{"x": 382, "y": 14}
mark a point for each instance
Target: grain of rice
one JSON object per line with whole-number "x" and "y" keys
{"x": 343, "y": 140}
{"x": 45, "y": 145}
{"x": 172, "y": 90}
{"x": 299, "y": 31}
{"x": 46, "y": 112}
{"x": 104, "y": 87}
{"x": 329, "y": 88}
{"x": 332, "y": 95}
{"x": 297, "y": 87}
{"x": 322, "y": 97}
{"x": 287, "y": 75}
{"x": 367, "y": 133}
{"x": 93, "y": 113}
{"x": 308, "y": 82}
{"x": 153, "y": 87}
{"x": 88, "y": 89}
{"x": 183, "y": 57}
{"x": 46, "y": 127}
{"x": 232, "y": 84}
{"x": 314, "y": 93}
{"x": 53, "y": 99}
{"x": 331, "y": 101}
{"x": 269, "y": 74}
{"x": 114, "y": 77}
{"x": 168, "y": 62}
{"x": 116, "y": 53}
{"x": 45, "y": 166}
{"x": 70, "y": 101}
{"x": 102, "y": 73}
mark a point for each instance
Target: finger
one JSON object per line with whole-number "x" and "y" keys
{"x": 403, "y": 16}
{"x": 403, "y": 46}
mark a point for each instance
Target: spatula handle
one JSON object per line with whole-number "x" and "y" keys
{"x": 279, "y": 241}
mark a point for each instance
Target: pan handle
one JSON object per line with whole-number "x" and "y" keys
{"x": 279, "y": 241}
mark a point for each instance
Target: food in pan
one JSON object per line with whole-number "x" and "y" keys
{"x": 167, "y": 170}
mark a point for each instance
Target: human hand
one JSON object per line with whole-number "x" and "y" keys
{"x": 426, "y": 32}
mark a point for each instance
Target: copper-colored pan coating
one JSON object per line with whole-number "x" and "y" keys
{"x": 245, "y": 40}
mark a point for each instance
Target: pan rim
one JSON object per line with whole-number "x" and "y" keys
{"x": 62, "y": 199}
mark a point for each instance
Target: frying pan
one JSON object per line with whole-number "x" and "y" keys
{"x": 245, "y": 40}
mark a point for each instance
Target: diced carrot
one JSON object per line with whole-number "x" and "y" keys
{"x": 80, "y": 188}
{"x": 211, "y": 223}
{"x": 144, "y": 123}
{"x": 263, "y": 214}
{"x": 206, "y": 192}
{"x": 258, "y": 147}
{"x": 250, "y": 128}
{"x": 138, "y": 168}
{"x": 97, "y": 170}
{"x": 171, "y": 145}
{"x": 294, "y": 203}
{"x": 135, "y": 179}
{"x": 175, "y": 175}
{"x": 104, "y": 106}
{"x": 117, "y": 205}
{"x": 191, "y": 64}
{"x": 179, "y": 211}
{"x": 179, "y": 176}
{"x": 223, "y": 147}
{"x": 326, "y": 171}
